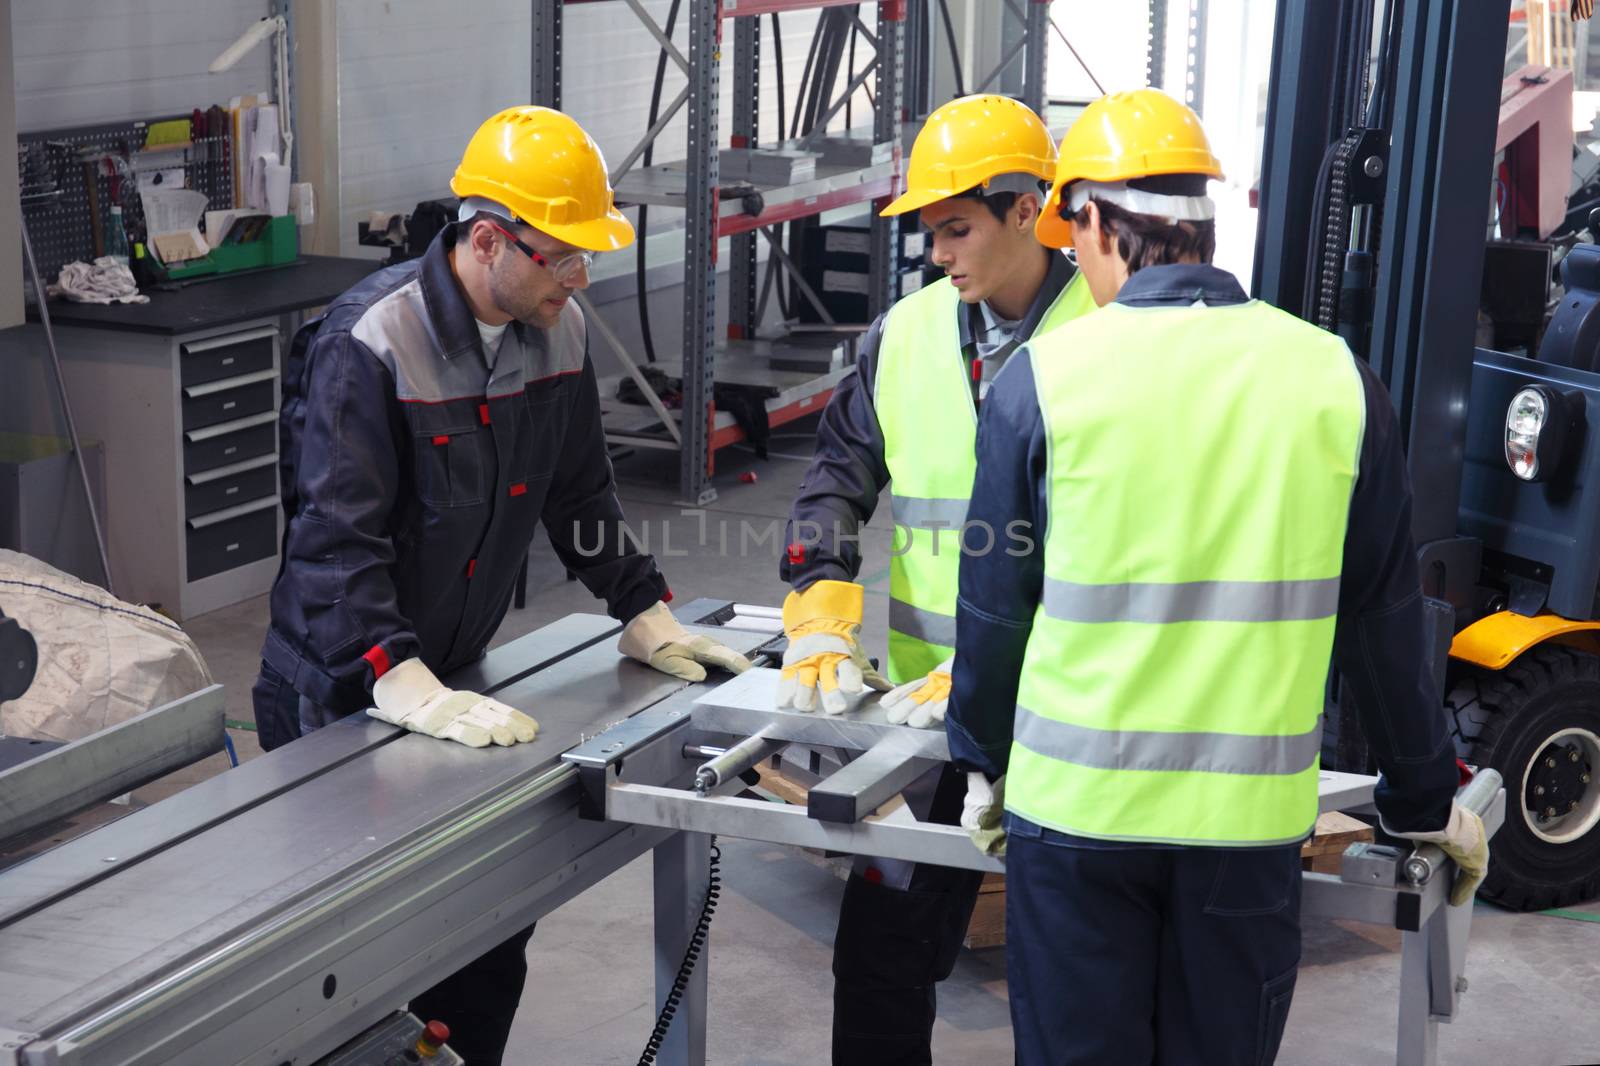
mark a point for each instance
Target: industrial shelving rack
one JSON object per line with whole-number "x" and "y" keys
{"x": 694, "y": 186}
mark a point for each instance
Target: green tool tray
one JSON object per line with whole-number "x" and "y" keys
{"x": 279, "y": 243}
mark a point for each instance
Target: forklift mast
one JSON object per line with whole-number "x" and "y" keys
{"x": 1376, "y": 179}
{"x": 1375, "y": 182}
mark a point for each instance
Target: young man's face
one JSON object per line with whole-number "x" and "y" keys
{"x": 979, "y": 252}
{"x": 524, "y": 289}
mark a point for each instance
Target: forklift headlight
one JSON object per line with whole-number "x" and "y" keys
{"x": 1539, "y": 424}
{"x": 1524, "y": 422}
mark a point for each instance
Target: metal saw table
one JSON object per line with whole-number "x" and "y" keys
{"x": 272, "y": 913}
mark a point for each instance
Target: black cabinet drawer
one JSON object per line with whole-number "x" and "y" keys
{"x": 229, "y": 442}
{"x": 228, "y": 356}
{"x": 216, "y": 490}
{"x": 228, "y": 399}
{"x": 226, "y": 539}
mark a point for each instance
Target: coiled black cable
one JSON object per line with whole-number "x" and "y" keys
{"x": 691, "y": 957}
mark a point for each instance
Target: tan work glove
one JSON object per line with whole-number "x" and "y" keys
{"x": 825, "y": 661}
{"x": 1463, "y": 839}
{"x": 982, "y": 811}
{"x": 410, "y": 696}
{"x": 656, "y": 638}
{"x": 921, "y": 703}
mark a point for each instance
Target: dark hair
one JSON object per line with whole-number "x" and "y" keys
{"x": 1151, "y": 240}
{"x": 999, "y": 203}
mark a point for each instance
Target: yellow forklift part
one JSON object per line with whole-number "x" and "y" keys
{"x": 1497, "y": 641}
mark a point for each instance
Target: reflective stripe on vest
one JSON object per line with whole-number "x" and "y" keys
{"x": 923, "y": 397}
{"x": 929, "y": 514}
{"x": 1216, "y": 753}
{"x": 1192, "y": 601}
{"x": 1200, "y": 470}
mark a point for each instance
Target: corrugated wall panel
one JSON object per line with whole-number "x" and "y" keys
{"x": 81, "y": 62}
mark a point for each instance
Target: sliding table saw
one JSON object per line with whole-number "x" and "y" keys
{"x": 281, "y": 909}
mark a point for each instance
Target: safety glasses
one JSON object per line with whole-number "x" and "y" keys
{"x": 564, "y": 269}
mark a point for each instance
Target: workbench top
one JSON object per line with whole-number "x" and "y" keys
{"x": 210, "y": 303}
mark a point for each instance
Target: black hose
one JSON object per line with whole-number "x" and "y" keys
{"x": 805, "y": 77}
{"x": 639, "y": 281}
{"x": 777, "y": 58}
{"x": 828, "y": 45}
{"x": 827, "y": 72}
{"x": 691, "y": 956}
{"x": 850, "y": 73}
{"x": 834, "y": 57}
{"x": 955, "y": 55}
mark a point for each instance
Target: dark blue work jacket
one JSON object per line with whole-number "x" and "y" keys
{"x": 415, "y": 472}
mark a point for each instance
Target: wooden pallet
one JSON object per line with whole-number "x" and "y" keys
{"x": 1334, "y": 833}
{"x": 987, "y": 929}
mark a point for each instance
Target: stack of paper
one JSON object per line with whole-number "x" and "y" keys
{"x": 261, "y": 180}
{"x": 172, "y": 219}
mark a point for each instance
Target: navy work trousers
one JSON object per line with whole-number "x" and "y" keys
{"x": 1139, "y": 955}
{"x": 893, "y": 946}
{"x": 479, "y": 1000}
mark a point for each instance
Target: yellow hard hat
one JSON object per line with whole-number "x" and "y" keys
{"x": 542, "y": 166}
{"x": 1121, "y": 136}
{"x": 970, "y": 141}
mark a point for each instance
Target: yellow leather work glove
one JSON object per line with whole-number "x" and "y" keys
{"x": 921, "y": 703}
{"x": 825, "y": 662}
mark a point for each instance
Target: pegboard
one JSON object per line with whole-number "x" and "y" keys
{"x": 54, "y": 168}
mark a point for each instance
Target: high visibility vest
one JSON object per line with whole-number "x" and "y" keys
{"x": 1200, "y": 470}
{"x": 923, "y": 395}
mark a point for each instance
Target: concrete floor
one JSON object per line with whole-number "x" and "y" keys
{"x": 1534, "y": 978}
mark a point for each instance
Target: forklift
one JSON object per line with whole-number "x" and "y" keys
{"x": 1377, "y": 189}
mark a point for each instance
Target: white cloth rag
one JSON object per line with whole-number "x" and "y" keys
{"x": 104, "y": 281}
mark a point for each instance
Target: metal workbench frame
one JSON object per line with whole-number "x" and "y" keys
{"x": 617, "y": 770}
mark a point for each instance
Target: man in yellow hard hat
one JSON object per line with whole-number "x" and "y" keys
{"x": 1221, "y": 501}
{"x": 906, "y": 420}
{"x": 436, "y": 415}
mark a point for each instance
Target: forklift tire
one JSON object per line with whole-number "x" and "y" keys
{"x": 1538, "y": 723}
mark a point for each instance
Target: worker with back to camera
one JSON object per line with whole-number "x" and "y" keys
{"x": 978, "y": 172}
{"x": 1221, "y": 504}
{"x": 434, "y": 417}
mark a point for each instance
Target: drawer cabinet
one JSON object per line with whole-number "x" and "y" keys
{"x": 190, "y": 427}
